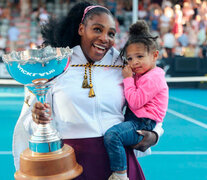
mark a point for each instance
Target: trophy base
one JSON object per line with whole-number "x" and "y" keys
{"x": 59, "y": 165}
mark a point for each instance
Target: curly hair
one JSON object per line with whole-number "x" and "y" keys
{"x": 64, "y": 32}
{"x": 139, "y": 32}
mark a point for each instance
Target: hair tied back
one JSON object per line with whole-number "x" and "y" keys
{"x": 140, "y": 28}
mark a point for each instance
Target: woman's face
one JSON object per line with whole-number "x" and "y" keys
{"x": 97, "y": 36}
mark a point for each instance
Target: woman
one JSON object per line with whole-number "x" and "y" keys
{"x": 82, "y": 115}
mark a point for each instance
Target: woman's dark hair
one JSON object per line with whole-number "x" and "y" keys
{"x": 140, "y": 33}
{"x": 63, "y": 33}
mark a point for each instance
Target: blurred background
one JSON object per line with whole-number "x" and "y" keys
{"x": 180, "y": 25}
{"x": 181, "y": 153}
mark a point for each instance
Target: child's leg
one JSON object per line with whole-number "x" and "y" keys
{"x": 123, "y": 134}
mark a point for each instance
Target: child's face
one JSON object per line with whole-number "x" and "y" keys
{"x": 139, "y": 59}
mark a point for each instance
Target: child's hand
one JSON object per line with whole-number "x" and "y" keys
{"x": 127, "y": 71}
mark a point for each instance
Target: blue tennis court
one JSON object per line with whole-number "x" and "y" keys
{"x": 180, "y": 154}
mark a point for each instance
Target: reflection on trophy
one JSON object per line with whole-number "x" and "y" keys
{"x": 46, "y": 158}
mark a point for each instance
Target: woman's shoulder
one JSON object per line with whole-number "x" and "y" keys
{"x": 116, "y": 60}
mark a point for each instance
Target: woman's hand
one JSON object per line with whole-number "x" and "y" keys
{"x": 149, "y": 139}
{"x": 127, "y": 71}
{"x": 41, "y": 113}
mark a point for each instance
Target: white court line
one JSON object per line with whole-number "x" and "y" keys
{"x": 11, "y": 95}
{"x": 186, "y": 79}
{"x": 189, "y": 103}
{"x": 187, "y": 118}
{"x": 5, "y": 152}
{"x": 9, "y": 82}
{"x": 179, "y": 152}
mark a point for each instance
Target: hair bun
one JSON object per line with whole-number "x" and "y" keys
{"x": 139, "y": 28}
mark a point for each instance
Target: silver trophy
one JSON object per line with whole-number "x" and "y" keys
{"x": 38, "y": 70}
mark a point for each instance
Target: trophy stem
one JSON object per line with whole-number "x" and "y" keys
{"x": 45, "y": 139}
{"x": 40, "y": 88}
{"x": 41, "y": 98}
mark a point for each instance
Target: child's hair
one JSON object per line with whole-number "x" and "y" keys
{"x": 63, "y": 33}
{"x": 140, "y": 33}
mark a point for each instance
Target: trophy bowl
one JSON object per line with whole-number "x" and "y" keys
{"x": 38, "y": 70}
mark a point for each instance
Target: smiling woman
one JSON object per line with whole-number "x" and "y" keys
{"x": 97, "y": 36}
{"x": 81, "y": 116}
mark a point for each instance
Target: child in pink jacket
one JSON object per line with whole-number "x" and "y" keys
{"x": 146, "y": 92}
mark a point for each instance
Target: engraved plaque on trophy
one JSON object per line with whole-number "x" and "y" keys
{"x": 46, "y": 158}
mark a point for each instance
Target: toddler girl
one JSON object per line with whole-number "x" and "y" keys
{"x": 146, "y": 92}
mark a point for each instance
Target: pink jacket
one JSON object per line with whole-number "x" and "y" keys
{"x": 147, "y": 95}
